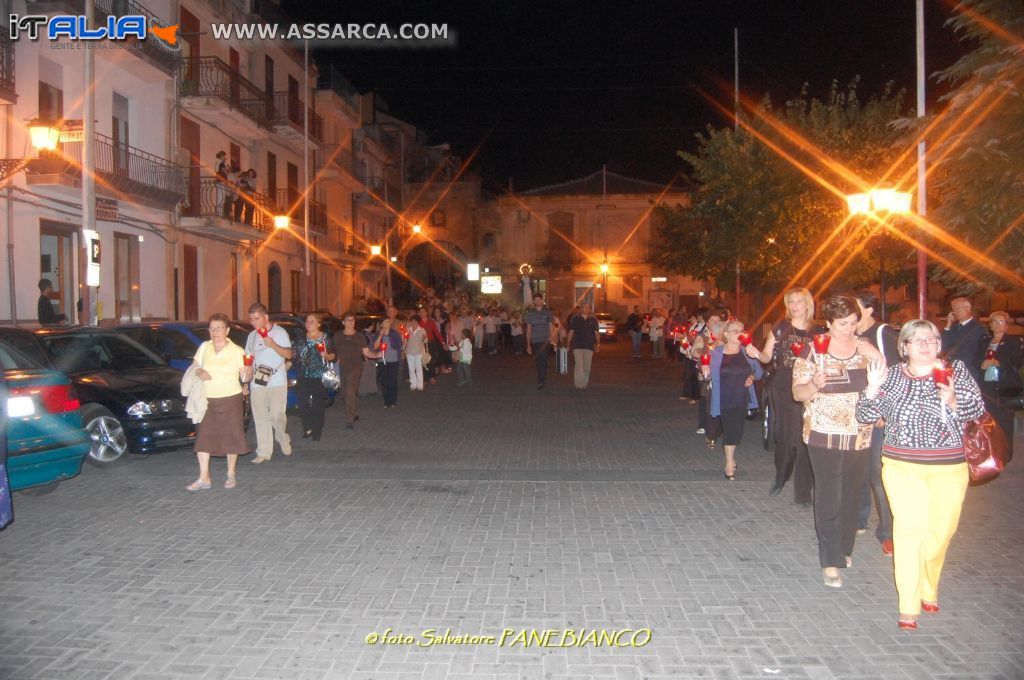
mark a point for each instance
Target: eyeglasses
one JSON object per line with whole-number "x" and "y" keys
{"x": 923, "y": 342}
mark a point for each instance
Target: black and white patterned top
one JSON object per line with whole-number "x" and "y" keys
{"x": 919, "y": 428}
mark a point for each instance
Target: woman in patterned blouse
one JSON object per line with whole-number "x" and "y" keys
{"x": 923, "y": 465}
{"x": 829, "y": 384}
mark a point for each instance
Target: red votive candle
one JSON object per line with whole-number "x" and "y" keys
{"x": 821, "y": 341}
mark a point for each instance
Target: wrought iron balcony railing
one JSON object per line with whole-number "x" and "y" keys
{"x": 124, "y": 169}
{"x": 289, "y": 202}
{"x": 7, "y": 89}
{"x": 284, "y": 109}
{"x": 211, "y": 77}
{"x": 212, "y": 197}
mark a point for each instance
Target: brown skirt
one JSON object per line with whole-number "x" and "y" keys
{"x": 221, "y": 430}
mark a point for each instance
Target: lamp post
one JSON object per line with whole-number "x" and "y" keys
{"x": 604, "y": 285}
{"x": 877, "y": 204}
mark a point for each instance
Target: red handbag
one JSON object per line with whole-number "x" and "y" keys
{"x": 985, "y": 447}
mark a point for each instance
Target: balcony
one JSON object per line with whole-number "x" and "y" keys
{"x": 122, "y": 172}
{"x": 340, "y": 246}
{"x": 217, "y": 208}
{"x": 150, "y": 59}
{"x": 334, "y": 157}
{"x": 286, "y": 113}
{"x": 7, "y": 90}
{"x": 212, "y": 91}
{"x": 289, "y": 202}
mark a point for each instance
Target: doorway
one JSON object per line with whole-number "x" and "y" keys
{"x": 56, "y": 263}
{"x": 190, "y": 142}
{"x": 191, "y": 282}
{"x": 274, "y": 287}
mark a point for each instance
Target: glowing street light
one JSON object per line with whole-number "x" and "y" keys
{"x": 44, "y": 135}
{"x": 375, "y": 250}
{"x": 883, "y": 200}
{"x": 416, "y": 228}
{"x": 880, "y": 200}
{"x": 281, "y": 222}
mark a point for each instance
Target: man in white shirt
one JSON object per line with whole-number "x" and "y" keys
{"x": 272, "y": 348}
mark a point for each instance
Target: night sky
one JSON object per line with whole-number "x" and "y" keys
{"x": 554, "y": 90}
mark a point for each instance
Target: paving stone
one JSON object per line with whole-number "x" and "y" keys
{"x": 480, "y": 510}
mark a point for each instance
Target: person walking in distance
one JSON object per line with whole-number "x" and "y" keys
{"x": 414, "y": 346}
{"x": 465, "y": 358}
{"x": 270, "y": 346}
{"x": 351, "y": 347}
{"x": 635, "y": 326}
{"x": 584, "y": 340}
{"x": 540, "y": 332}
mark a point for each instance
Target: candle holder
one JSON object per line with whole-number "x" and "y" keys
{"x": 796, "y": 348}
{"x": 705, "y": 359}
{"x": 745, "y": 338}
{"x": 941, "y": 373}
{"x": 263, "y": 332}
{"x": 248, "y": 359}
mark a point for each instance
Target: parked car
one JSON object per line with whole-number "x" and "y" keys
{"x": 130, "y": 397}
{"x": 46, "y": 442}
{"x": 607, "y": 326}
{"x": 176, "y": 342}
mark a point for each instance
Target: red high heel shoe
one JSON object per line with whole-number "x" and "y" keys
{"x": 907, "y": 625}
{"x": 930, "y": 607}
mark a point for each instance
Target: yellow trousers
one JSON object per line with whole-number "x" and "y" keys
{"x": 926, "y": 501}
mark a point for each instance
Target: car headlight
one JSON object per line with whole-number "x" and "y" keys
{"x": 141, "y": 408}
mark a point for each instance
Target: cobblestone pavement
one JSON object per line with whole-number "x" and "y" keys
{"x": 480, "y": 510}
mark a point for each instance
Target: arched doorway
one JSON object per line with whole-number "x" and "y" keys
{"x": 274, "y": 287}
{"x": 437, "y": 264}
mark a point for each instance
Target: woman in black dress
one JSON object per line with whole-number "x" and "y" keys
{"x": 787, "y": 339}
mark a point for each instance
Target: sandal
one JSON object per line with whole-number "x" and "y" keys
{"x": 198, "y": 485}
{"x": 230, "y": 483}
{"x": 832, "y": 581}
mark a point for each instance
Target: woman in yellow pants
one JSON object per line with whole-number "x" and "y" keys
{"x": 925, "y": 406}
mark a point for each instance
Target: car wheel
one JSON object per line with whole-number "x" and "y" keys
{"x": 109, "y": 443}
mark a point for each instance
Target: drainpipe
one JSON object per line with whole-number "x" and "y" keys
{"x": 9, "y": 110}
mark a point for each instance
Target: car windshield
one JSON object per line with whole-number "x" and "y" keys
{"x": 78, "y": 352}
{"x": 11, "y": 359}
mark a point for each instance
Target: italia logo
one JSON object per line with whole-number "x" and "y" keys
{"x": 75, "y": 27}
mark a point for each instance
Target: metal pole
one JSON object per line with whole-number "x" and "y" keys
{"x": 88, "y": 172}
{"x": 736, "y": 78}
{"x": 882, "y": 286}
{"x": 737, "y": 289}
{"x": 305, "y": 179}
{"x": 387, "y": 239}
{"x": 922, "y": 201}
{"x": 8, "y": 111}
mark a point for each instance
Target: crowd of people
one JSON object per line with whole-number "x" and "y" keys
{"x": 863, "y": 413}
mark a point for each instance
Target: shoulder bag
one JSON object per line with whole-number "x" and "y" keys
{"x": 985, "y": 448}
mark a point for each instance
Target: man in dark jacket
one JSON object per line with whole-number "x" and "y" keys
{"x": 963, "y": 336}
{"x": 44, "y": 308}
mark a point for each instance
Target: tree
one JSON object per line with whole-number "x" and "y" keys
{"x": 978, "y": 174}
{"x": 755, "y": 207}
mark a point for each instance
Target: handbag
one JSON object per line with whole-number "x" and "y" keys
{"x": 985, "y": 448}
{"x": 426, "y": 357}
{"x": 330, "y": 378}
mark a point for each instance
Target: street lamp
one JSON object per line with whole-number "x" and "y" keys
{"x": 375, "y": 250}
{"x": 604, "y": 284}
{"x": 888, "y": 202}
{"x": 416, "y": 228}
{"x": 44, "y": 135}
{"x": 281, "y": 222}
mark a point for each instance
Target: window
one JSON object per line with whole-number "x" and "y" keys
{"x": 560, "y": 239}
{"x": 172, "y": 345}
{"x": 438, "y": 218}
{"x": 25, "y": 343}
{"x": 272, "y": 176}
{"x": 119, "y": 130}
{"x": 51, "y": 102}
